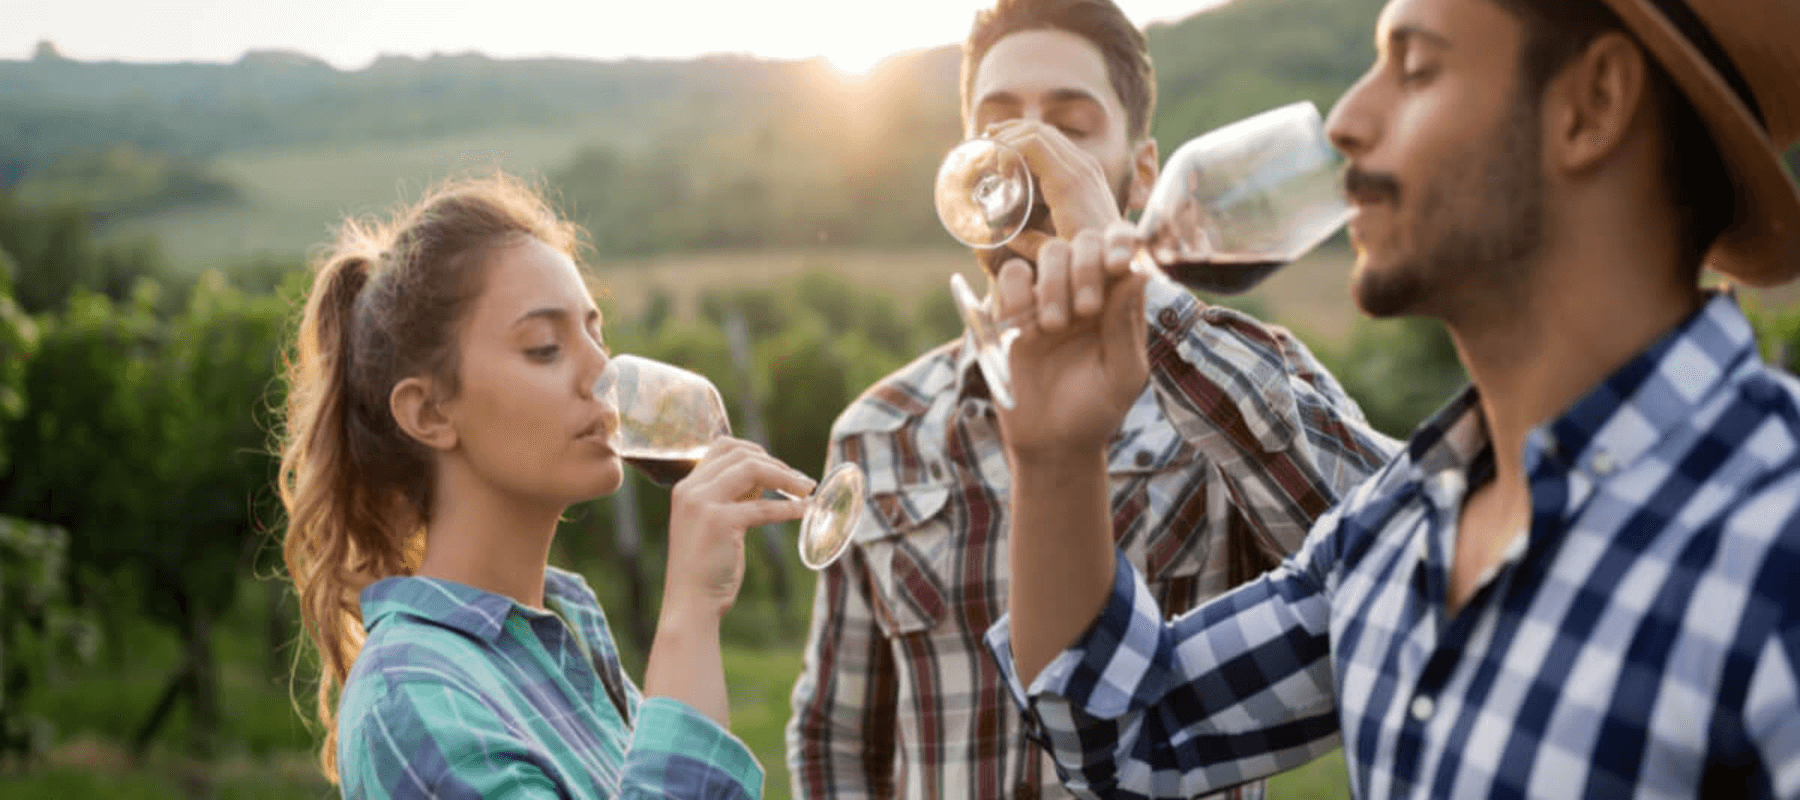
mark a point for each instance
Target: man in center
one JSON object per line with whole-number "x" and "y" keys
{"x": 1218, "y": 471}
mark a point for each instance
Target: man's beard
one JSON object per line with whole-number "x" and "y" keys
{"x": 1039, "y": 220}
{"x": 1477, "y": 228}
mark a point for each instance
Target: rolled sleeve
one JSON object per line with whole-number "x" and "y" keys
{"x": 1236, "y": 690}
{"x": 676, "y": 751}
{"x": 1106, "y": 667}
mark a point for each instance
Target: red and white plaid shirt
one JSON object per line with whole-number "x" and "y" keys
{"x": 1241, "y": 440}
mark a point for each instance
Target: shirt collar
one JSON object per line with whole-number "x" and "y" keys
{"x": 477, "y": 613}
{"x": 968, "y": 381}
{"x": 1656, "y": 393}
{"x": 1608, "y": 429}
{"x": 1451, "y": 438}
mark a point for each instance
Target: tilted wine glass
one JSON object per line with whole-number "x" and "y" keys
{"x": 667, "y": 418}
{"x": 1232, "y": 206}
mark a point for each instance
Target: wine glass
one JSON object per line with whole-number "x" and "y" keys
{"x": 667, "y": 418}
{"x": 1232, "y": 206}
{"x": 984, "y": 193}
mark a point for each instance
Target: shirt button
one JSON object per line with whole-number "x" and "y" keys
{"x": 970, "y": 410}
{"x": 1423, "y": 708}
{"x": 1168, "y": 318}
{"x": 937, "y": 472}
{"x": 1144, "y": 458}
{"x": 1603, "y": 464}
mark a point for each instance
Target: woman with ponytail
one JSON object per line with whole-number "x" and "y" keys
{"x": 440, "y": 419}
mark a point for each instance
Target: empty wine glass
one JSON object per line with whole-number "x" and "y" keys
{"x": 1231, "y": 207}
{"x": 984, "y": 193}
{"x": 667, "y": 418}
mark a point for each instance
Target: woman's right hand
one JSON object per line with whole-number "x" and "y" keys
{"x": 710, "y": 510}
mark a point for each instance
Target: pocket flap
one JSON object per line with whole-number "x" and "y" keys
{"x": 906, "y": 551}
{"x": 895, "y": 512}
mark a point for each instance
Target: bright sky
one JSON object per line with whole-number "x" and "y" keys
{"x": 853, "y": 34}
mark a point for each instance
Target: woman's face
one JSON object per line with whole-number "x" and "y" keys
{"x": 526, "y": 419}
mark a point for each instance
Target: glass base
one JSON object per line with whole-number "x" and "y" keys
{"x": 831, "y": 516}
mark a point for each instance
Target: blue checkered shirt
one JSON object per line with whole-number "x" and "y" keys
{"x": 461, "y": 693}
{"x": 1641, "y": 640}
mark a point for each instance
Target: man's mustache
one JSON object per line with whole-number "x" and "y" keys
{"x": 1371, "y": 187}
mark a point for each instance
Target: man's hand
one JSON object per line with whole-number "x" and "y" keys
{"x": 1078, "y": 370}
{"x": 1071, "y": 181}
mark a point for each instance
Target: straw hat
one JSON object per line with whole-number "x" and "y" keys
{"x": 1738, "y": 62}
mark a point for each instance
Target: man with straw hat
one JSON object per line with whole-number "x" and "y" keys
{"x": 1582, "y": 577}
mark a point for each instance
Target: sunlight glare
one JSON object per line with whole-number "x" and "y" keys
{"x": 853, "y": 62}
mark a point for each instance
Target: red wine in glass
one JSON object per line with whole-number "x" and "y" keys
{"x": 663, "y": 471}
{"x": 1221, "y": 274}
{"x": 667, "y": 417}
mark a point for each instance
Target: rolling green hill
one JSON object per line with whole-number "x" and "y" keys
{"x": 655, "y": 156}
{"x": 714, "y": 154}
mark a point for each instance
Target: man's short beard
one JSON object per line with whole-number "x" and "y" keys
{"x": 1475, "y": 247}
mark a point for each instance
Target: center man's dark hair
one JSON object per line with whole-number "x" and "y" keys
{"x": 1101, "y": 22}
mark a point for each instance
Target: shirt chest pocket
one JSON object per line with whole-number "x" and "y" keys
{"x": 1167, "y": 509}
{"x": 1168, "y": 501}
{"x": 904, "y": 536}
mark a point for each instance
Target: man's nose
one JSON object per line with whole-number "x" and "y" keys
{"x": 1353, "y": 127}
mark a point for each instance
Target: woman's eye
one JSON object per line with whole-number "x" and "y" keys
{"x": 1415, "y": 73}
{"x": 544, "y": 353}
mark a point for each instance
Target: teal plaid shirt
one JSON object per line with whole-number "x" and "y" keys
{"x": 461, "y": 693}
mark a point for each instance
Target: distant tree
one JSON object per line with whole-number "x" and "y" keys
{"x": 936, "y": 319}
{"x": 1399, "y": 371}
{"x": 46, "y": 53}
{"x": 1778, "y": 330}
{"x": 75, "y": 460}
{"x": 36, "y": 621}
{"x": 18, "y": 342}
{"x": 766, "y": 310}
{"x": 35, "y": 616}
{"x": 214, "y": 471}
{"x": 146, "y": 443}
{"x": 55, "y": 252}
{"x": 845, "y": 309}
{"x": 117, "y": 181}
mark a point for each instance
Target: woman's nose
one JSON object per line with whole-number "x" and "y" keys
{"x": 597, "y": 376}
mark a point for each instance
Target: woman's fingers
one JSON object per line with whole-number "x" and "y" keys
{"x": 736, "y": 471}
{"x": 749, "y": 514}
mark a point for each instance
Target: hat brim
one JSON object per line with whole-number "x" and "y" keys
{"x": 1762, "y": 248}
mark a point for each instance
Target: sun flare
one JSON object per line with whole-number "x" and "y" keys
{"x": 856, "y": 62}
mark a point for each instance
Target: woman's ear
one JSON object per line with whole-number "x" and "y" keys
{"x": 414, "y": 404}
